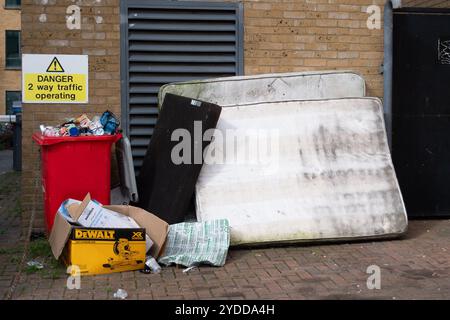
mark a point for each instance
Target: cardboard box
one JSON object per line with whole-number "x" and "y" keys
{"x": 94, "y": 215}
{"x": 106, "y": 250}
{"x": 97, "y": 251}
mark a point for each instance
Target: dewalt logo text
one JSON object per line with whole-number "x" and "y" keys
{"x": 94, "y": 234}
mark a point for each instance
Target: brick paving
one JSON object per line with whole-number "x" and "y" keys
{"x": 10, "y": 247}
{"x": 415, "y": 267}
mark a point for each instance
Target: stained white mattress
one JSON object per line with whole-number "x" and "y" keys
{"x": 331, "y": 178}
{"x": 241, "y": 90}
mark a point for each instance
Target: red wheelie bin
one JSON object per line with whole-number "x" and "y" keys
{"x": 73, "y": 166}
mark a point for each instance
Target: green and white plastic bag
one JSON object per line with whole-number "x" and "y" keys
{"x": 194, "y": 243}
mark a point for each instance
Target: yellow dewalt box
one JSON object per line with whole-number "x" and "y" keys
{"x": 97, "y": 251}
{"x": 106, "y": 250}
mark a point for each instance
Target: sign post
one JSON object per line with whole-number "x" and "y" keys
{"x": 55, "y": 78}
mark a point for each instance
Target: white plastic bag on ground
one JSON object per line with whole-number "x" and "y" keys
{"x": 194, "y": 243}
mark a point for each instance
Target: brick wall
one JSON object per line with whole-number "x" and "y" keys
{"x": 99, "y": 38}
{"x": 293, "y": 35}
{"x": 302, "y": 35}
{"x": 9, "y": 79}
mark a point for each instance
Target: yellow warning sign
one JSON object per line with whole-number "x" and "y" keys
{"x": 43, "y": 87}
{"x": 55, "y": 79}
{"x": 55, "y": 66}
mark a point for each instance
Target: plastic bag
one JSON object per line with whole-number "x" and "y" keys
{"x": 195, "y": 243}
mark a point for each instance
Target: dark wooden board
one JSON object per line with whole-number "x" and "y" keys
{"x": 165, "y": 188}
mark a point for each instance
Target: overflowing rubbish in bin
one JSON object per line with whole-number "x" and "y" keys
{"x": 106, "y": 124}
{"x": 71, "y": 167}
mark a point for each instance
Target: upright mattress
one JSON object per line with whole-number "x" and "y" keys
{"x": 241, "y": 90}
{"x": 325, "y": 174}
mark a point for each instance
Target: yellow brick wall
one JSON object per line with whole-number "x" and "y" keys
{"x": 9, "y": 79}
{"x": 280, "y": 36}
{"x": 302, "y": 35}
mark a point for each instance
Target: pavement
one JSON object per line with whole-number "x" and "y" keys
{"x": 414, "y": 267}
{"x": 6, "y": 161}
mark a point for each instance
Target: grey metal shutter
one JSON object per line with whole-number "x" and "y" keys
{"x": 171, "y": 41}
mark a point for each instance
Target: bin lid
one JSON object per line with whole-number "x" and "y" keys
{"x": 42, "y": 140}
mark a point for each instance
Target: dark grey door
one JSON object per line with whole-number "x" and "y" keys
{"x": 172, "y": 41}
{"x": 421, "y": 110}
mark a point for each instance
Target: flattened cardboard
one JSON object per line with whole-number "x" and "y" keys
{"x": 155, "y": 227}
{"x": 59, "y": 235}
{"x": 75, "y": 210}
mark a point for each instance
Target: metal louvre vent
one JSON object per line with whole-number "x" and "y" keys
{"x": 164, "y": 42}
